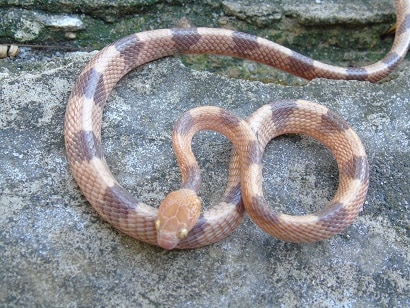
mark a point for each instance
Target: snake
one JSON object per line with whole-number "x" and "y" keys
{"x": 179, "y": 222}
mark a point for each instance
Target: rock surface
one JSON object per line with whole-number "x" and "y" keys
{"x": 56, "y": 251}
{"x": 297, "y": 24}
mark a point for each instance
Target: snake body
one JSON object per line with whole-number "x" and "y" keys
{"x": 182, "y": 226}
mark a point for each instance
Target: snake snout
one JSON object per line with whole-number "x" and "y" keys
{"x": 167, "y": 240}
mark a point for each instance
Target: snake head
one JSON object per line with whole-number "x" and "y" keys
{"x": 177, "y": 215}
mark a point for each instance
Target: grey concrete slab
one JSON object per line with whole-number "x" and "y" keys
{"x": 56, "y": 251}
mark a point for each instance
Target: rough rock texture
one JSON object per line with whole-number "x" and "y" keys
{"x": 297, "y": 23}
{"x": 338, "y": 12}
{"x": 259, "y": 14}
{"x": 307, "y": 12}
{"x": 25, "y": 25}
{"x": 56, "y": 251}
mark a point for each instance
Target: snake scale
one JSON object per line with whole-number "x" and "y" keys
{"x": 179, "y": 223}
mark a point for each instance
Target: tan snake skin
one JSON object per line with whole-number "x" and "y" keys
{"x": 174, "y": 221}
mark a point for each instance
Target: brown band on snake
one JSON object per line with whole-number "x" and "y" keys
{"x": 328, "y": 122}
{"x": 184, "y": 126}
{"x": 334, "y": 212}
{"x": 129, "y": 49}
{"x": 86, "y": 153}
{"x": 272, "y": 216}
{"x": 191, "y": 178}
{"x": 244, "y": 42}
{"x": 357, "y": 73}
{"x": 116, "y": 195}
{"x": 228, "y": 119}
{"x": 123, "y": 203}
{"x": 403, "y": 26}
{"x": 199, "y": 229}
{"x": 254, "y": 151}
{"x": 301, "y": 63}
{"x": 184, "y": 39}
{"x": 287, "y": 108}
{"x": 391, "y": 57}
{"x": 83, "y": 135}
{"x": 89, "y": 77}
{"x": 233, "y": 195}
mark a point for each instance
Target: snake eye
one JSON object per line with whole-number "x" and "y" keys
{"x": 183, "y": 234}
{"x": 157, "y": 224}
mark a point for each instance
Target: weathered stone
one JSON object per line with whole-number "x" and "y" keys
{"x": 26, "y": 25}
{"x": 261, "y": 15}
{"x": 320, "y": 13}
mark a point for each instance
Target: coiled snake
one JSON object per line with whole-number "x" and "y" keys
{"x": 179, "y": 223}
